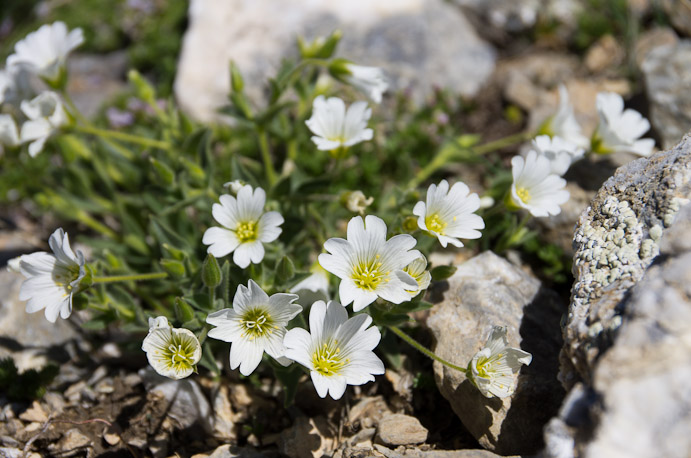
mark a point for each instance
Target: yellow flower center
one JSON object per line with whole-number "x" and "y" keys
{"x": 179, "y": 354}
{"x": 523, "y": 194}
{"x": 257, "y": 323}
{"x": 368, "y": 275}
{"x": 64, "y": 276}
{"x": 435, "y": 224}
{"x": 327, "y": 360}
{"x": 246, "y": 231}
{"x": 486, "y": 366}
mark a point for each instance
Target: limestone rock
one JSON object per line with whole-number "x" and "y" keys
{"x": 679, "y": 12}
{"x": 616, "y": 239}
{"x": 638, "y": 404}
{"x": 308, "y": 437}
{"x": 519, "y": 15}
{"x": 667, "y": 72}
{"x": 404, "y": 37}
{"x": 37, "y": 340}
{"x": 233, "y": 451}
{"x": 486, "y": 291}
{"x": 414, "y": 453}
{"x": 651, "y": 40}
{"x": 605, "y": 54}
{"x": 187, "y": 405}
{"x": 368, "y": 411}
{"x": 399, "y": 429}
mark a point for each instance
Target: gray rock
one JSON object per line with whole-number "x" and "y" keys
{"x": 667, "y": 73}
{"x": 233, "y": 451}
{"x": 679, "y": 12}
{"x": 616, "y": 239}
{"x": 639, "y": 404}
{"x": 224, "y": 417}
{"x": 187, "y": 405}
{"x": 414, "y": 453}
{"x": 308, "y": 437}
{"x": 519, "y": 15}
{"x": 651, "y": 40}
{"x": 486, "y": 291}
{"x": 37, "y": 340}
{"x": 399, "y": 429}
{"x": 94, "y": 79}
{"x": 404, "y": 37}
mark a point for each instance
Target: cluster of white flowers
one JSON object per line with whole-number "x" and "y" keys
{"x": 39, "y": 111}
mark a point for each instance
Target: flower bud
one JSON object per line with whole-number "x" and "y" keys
{"x": 355, "y": 201}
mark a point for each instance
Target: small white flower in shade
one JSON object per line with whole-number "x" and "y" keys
{"x": 52, "y": 279}
{"x": 493, "y": 369}
{"x": 563, "y": 124}
{"x": 561, "y": 153}
{"x": 313, "y": 288}
{"x": 9, "y": 135}
{"x": 256, "y": 324}
{"x": 45, "y": 51}
{"x": 448, "y": 213}
{"x": 336, "y": 128}
{"x": 172, "y": 352}
{"x": 245, "y": 227}
{"x": 46, "y": 114}
{"x": 370, "y": 266}
{"x": 535, "y": 188}
{"x": 619, "y": 129}
{"x": 356, "y": 201}
{"x": 337, "y": 350}
{"x": 371, "y": 81}
{"x": 418, "y": 270}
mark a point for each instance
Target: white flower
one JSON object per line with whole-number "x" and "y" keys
{"x": 172, "y": 352}
{"x": 337, "y": 350}
{"x": 51, "y": 279}
{"x": 563, "y": 124}
{"x": 561, "y": 153}
{"x": 417, "y": 270}
{"x": 619, "y": 129}
{"x": 336, "y": 128}
{"x": 313, "y": 288}
{"x": 370, "y": 266}
{"x": 245, "y": 227}
{"x": 256, "y": 324}
{"x": 493, "y": 369}
{"x": 448, "y": 214}
{"x": 46, "y": 114}
{"x": 534, "y": 187}
{"x": 356, "y": 201}
{"x": 9, "y": 135}
{"x": 369, "y": 80}
{"x": 45, "y": 51}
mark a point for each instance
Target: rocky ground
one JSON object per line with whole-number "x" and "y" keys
{"x": 611, "y": 364}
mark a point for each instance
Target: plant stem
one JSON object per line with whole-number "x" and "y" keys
{"x": 266, "y": 155}
{"x": 131, "y": 277}
{"x": 91, "y": 222}
{"x": 122, "y": 136}
{"x": 449, "y": 151}
{"x": 423, "y": 349}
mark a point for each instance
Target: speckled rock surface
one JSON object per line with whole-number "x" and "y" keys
{"x": 679, "y": 12}
{"x": 667, "y": 72}
{"x": 401, "y": 36}
{"x": 616, "y": 239}
{"x": 485, "y": 291}
{"x": 639, "y": 403}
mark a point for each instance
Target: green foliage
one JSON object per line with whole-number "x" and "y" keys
{"x": 28, "y": 385}
{"x": 602, "y": 17}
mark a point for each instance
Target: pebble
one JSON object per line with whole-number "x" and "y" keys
{"x": 399, "y": 429}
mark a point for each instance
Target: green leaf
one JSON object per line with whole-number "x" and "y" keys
{"x": 163, "y": 174}
{"x": 208, "y": 360}
{"x": 175, "y": 268}
{"x": 442, "y": 272}
{"x": 289, "y": 378}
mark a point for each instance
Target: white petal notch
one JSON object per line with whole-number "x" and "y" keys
{"x": 370, "y": 266}
{"x": 254, "y": 325}
{"x": 448, "y": 214}
{"x": 245, "y": 227}
{"x": 337, "y": 351}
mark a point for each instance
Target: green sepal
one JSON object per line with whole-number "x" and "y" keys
{"x": 211, "y": 272}
{"x": 442, "y": 272}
